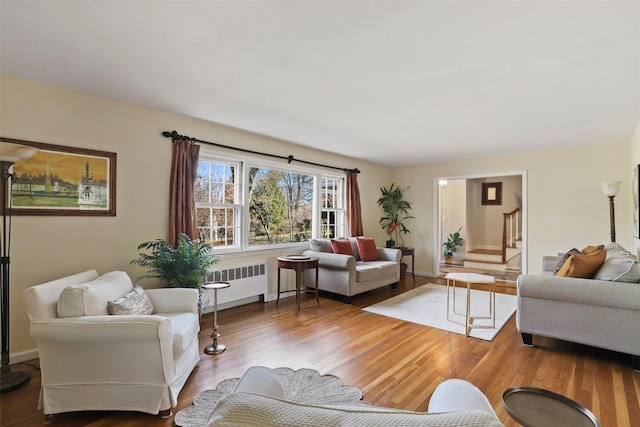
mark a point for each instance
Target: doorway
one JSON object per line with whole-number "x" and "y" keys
{"x": 490, "y": 210}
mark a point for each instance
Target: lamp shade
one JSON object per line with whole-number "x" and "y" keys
{"x": 611, "y": 188}
{"x": 11, "y": 153}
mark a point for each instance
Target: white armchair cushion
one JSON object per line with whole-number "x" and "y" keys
{"x": 91, "y": 298}
{"x": 135, "y": 302}
{"x": 184, "y": 328}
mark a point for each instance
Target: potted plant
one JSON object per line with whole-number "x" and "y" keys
{"x": 450, "y": 246}
{"x": 182, "y": 267}
{"x": 396, "y": 211}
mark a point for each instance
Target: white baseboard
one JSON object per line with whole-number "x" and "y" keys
{"x": 23, "y": 356}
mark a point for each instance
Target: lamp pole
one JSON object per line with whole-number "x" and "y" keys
{"x": 610, "y": 189}
{"x": 9, "y": 154}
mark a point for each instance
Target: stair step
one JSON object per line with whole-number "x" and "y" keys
{"x": 486, "y": 251}
{"x": 483, "y": 261}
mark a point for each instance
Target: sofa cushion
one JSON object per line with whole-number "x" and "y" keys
{"x": 367, "y": 249}
{"x": 374, "y": 270}
{"x": 592, "y": 249}
{"x": 90, "y": 299}
{"x": 236, "y": 409}
{"x": 564, "y": 259}
{"x": 184, "y": 328}
{"x": 583, "y": 265}
{"x": 321, "y": 245}
{"x": 341, "y": 246}
{"x": 619, "y": 266}
{"x": 135, "y": 302}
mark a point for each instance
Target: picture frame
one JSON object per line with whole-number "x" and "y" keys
{"x": 492, "y": 193}
{"x": 63, "y": 181}
{"x": 636, "y": 202}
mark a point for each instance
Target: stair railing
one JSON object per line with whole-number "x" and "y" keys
{"x": 511, "y": 231}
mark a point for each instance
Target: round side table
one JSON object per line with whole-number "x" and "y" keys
{"x": 536, "y": 407}
{"x": 215, "y": 347}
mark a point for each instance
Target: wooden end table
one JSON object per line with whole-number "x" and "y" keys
{"x": 406, "y": 251}
{"x": 299, "y": 263}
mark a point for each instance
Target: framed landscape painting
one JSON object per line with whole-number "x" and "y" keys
{"x": 60, "y": 180}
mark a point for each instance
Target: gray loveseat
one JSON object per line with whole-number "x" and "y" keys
{"x": 603, "y": 311}
{"x": 348, "y": 275}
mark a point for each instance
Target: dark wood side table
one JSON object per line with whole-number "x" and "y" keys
{"x": 406, "y": 251}
{"x": 299, "y": 263}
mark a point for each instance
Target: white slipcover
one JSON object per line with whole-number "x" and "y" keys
{"x": 106, "y": 362}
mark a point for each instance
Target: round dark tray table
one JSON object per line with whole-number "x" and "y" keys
{"x": 536, "y": 407}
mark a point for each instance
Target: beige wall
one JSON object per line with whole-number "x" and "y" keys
{"x": 566, "y": 207}
{"x": 563, "y": 200}
{"x": 635, "y": 161}
{"x": 45, "y": 248}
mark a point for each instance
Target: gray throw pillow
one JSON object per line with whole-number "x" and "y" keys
{"x": 135, "y": 302}
{"x": 619, "y": 267}
{"x": 321, "y": 245}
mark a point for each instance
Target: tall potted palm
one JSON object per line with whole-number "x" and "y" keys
{"x": 182, "y": 267}
{"x": 396, "y": 211}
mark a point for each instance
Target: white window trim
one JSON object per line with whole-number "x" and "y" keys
{"x": 245, "y": 164}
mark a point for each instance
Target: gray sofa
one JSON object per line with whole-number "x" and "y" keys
{"x": 601, "y": 312}
{"x": 347, "y": 275}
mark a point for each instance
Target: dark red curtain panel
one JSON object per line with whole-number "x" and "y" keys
{"x": 184, "y": 170}
{"x": 354, "y": 212}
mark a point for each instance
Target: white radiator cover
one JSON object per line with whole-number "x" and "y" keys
{"x": 249, "y": 281}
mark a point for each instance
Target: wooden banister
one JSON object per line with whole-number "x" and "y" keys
{"x": 511, "y": 230}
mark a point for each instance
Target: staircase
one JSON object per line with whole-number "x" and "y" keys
{"x": 508, "y": 256}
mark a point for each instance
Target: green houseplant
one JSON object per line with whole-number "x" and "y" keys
{"x": 451, "y": 244}
{"x": 182, "y": 267}
{"x": 396, "y": 210}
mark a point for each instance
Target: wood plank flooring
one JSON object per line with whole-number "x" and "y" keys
{"x": 395, "y": 363}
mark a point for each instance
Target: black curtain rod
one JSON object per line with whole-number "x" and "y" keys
{"x": 289, "y": 159}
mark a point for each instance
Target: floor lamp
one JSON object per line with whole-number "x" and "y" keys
{"x": 9, "y": 154}
{"x": 610, "y": 189}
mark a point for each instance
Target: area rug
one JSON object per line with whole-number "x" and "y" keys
{"x": 427, "y": 305}
{"x": 302, "y": 386}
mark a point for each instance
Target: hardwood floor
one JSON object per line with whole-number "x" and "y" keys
{"x": 395, "y": 363}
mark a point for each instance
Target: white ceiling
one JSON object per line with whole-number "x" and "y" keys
{"x": 392, "y": 82}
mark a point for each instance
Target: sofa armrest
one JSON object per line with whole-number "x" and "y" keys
{"x": 390, "y": 254}
{"x": 101, "y": 330}
{"x": 335, "y": 261}
{"x": 167, "y": 300}
{"x": 459, "y": 395}
{"x": 261, "y": 380}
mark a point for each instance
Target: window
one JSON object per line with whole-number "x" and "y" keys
{"x": 218, "y": 203}
{"x": 252, "y": 204}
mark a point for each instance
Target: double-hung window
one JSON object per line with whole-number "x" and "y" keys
{"x": 249, "y": 203}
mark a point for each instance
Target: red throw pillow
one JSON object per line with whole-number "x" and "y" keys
{"x": 341, "y": 246}
{"x": 367, "y": 249}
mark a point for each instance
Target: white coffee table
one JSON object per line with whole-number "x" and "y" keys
{"x": 469, "y": 279}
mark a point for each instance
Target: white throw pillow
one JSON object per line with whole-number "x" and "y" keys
{"x": 90, "y": 299}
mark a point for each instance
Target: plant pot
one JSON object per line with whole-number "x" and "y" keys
{"x": 403, "y": 269}
{"x": 391, "y": 243}
{"x": 448, "y": 259}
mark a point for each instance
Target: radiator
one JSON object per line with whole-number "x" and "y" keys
{"x": 248, "y": 282}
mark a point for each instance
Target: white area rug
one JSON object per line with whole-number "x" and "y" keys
{"x": 302, "y": 386}
{"x": 427, "y": 305}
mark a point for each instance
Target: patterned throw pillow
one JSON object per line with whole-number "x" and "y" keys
{"x": 367, "y": 249}
{"x": 135, "y": 302}
{"x": 564, "y": 259}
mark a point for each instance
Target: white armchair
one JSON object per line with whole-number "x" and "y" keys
{"x": 113, "y": 362}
